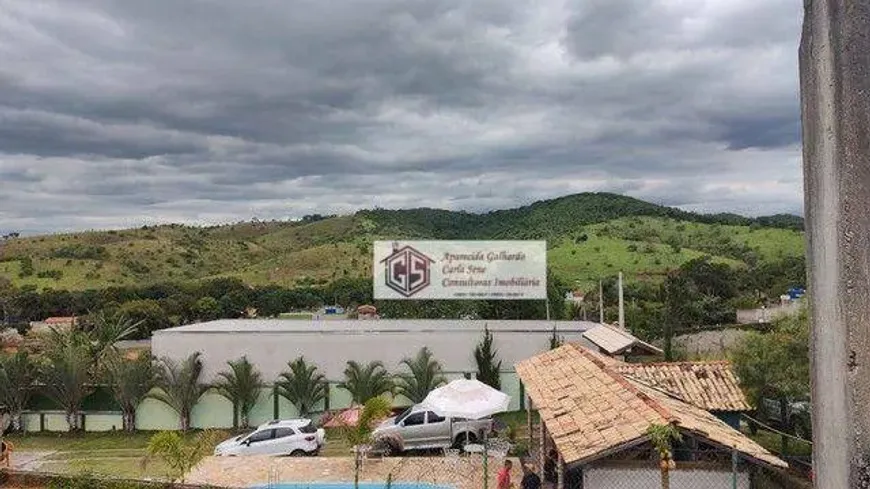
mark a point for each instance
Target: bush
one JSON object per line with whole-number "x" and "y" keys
{"x": 26, "y": 267}
{"x": 55, "y": 274}
{"x": 81, "y": 252}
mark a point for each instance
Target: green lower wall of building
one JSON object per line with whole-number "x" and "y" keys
{"x": 214, "y": 411}
{"x": 103, "y": 421}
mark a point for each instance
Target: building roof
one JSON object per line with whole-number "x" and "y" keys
{"x": 592, "y": 411}
{"x": 380, "y": 325}
{"x": 615, "y": 341}
{"x": 712, "y": 386}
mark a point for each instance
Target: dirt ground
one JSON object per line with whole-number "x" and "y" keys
{"x": 463, "y": 473}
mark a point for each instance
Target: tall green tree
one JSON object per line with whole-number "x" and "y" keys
{"x": 180, "y": 386}
{"x": 68, "y": 376}
{"x": 130, "y": 382}
{"x": 18, "y": 375}
{"x": 488, "y": 364}
{"x": 103, "y": 332}
{"x": 75, "y": 358}
{"x": 302, "y": 385}
{"x": 148, "y": 313}
{"x": 207, "y": 309}
{"x": 241, "y": 386}
{"x": 776, "y": 364}
{"x": 424, "y": 374}
{"x": 366, "y": 381}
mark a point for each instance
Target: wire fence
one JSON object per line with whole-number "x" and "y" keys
{"x": 689, "y": 469}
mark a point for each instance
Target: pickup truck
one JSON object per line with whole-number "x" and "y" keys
{"x": 419, "y": 428}
{"x": 797, "y": 420}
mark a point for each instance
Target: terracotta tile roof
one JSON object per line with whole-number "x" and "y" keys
{"x": 615, "y": 341}
{"x": 709, "y": 385}
{"x": 591, "y": 410}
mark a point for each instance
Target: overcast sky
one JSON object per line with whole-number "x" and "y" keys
{"x": 126, "y": 112}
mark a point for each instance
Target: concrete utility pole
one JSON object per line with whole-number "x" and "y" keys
{"x": 835, "y": 102}
{"x": 621, "y": 304}
{"x": 600, "y": 302}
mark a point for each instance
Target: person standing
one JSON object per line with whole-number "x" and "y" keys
{"x": 550, "y": 476}
{"x": 530, "y": 478}
{"x": 504, "y": 475}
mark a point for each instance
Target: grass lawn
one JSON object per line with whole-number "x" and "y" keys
{"x": 114, "y": 454}
{"x": 80, "y": 441}
{"x": 123, "y": 467}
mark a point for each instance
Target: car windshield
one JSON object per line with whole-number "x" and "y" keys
{"x": 402, "y": 416}
{"x": 309, "y": 428}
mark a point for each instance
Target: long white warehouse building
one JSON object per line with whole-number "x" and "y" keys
{"x": 330, "y": 344}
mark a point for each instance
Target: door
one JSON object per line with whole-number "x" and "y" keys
{"x": 438, "y": 431}
{"x": 284, "y": 442}
{"x": 258, "y": 442}
{"x": 414, "y": 430}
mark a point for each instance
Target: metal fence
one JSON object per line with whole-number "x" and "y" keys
{"x": 689, "y": 469}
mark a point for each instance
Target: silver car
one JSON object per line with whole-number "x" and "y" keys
{"x": 420, "y": 429}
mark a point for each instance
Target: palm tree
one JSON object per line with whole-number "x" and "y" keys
{"x": 359, "y": 435}
{"x": 488, "y": 367}
{"x": 661, "y": 436}
{"x": 18, "y": 374}
{"x": 241, "y": 386}
{"x": 425, "y": 375}
{"x": 105, "y": 331}
{"x": 366, "y": 382}
{"x": 302, "y": 385}
{"x": 68, "y": 375}
{"x": 179, "y": 386}
{"x": 180, "y": 454}
{"x": 130, "y": 381}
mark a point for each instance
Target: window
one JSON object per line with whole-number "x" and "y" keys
{"x": 309, "y": 428}
{"x": 284, "y": 432}
{"x": 433, "y": 418}
{"x": 415, "y": 419}
{"x": 261, "y": 436}
{"x": 402, "y": 416}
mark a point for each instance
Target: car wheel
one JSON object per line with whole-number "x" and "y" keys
{"x": 297, "y": 453}
{"x": 463, "y": 439}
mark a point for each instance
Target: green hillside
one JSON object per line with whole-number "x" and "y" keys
{"x": 589, "y": 235}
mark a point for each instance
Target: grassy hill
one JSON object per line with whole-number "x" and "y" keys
{"x": 589, "y": 235}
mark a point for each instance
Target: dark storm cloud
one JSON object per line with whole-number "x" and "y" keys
{"x": 116, "y": 113}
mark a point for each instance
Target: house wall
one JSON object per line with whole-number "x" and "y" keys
{"x": 616, "y": 477}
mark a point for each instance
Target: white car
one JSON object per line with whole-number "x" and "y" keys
{"x": 281, "y": 437}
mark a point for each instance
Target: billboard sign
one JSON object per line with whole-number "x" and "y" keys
{"x": 460, "y": 270}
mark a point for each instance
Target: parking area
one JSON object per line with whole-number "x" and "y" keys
{"x": 460, "y": 473}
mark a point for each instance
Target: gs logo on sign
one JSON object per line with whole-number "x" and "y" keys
{"x": 407, "y": 270}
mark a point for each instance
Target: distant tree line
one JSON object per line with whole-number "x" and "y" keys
{"x": 699, "y": 293}
{"x": 165, "y": 305}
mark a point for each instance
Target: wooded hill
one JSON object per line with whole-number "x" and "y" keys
{"x": 590, "y": 235}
